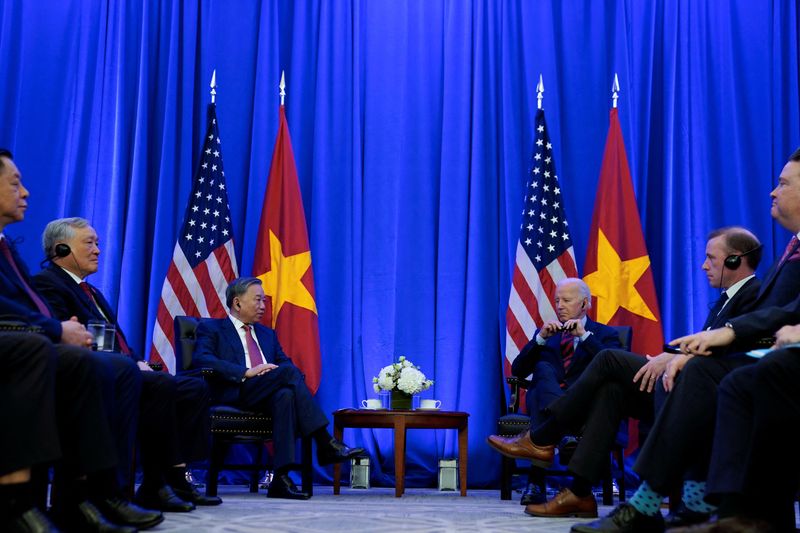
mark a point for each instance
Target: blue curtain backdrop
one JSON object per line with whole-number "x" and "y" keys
{"x": 411, "y": 124}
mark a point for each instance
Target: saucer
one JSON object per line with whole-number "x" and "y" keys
{"x": 429, "y": 408}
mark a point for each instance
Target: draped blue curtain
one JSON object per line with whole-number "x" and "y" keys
{"x": 411, "y": 124}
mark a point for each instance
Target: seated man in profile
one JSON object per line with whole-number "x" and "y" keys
{"x": 258, "y": 376}
{"x": 173, "y": 421}
{"x": 556, "y": 356}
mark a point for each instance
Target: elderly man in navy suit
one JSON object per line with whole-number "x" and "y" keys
{"x": 260, "y": 377}
{"x": 173, "y": 426}
{"x": 556, "y": 357}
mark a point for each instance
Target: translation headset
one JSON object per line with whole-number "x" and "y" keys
{"x": 60, "y": 251}
{"x": 734, "y": 261}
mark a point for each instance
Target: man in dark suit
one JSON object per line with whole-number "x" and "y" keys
{"x": 95, "y": 456}
{"x": 258, "y": 376}
{"x": 173, "y": 421}
{"x": 556, "y": 357}
{"x": 619, "y": 384}
{"x": 55, "y": 405}
{"x": 755, "y": 468}
{"x": 682, "y": 435}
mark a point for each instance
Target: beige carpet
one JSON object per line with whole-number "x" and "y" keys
{"x": 376, "y": 509}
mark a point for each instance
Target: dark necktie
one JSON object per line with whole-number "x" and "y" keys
{"x": 567, "y": 348}
{"x": 791, "y": 248}
{"x": 716, "y": 309}
{"x": 5, "y": 249}
{"x": 253, "y": 352}
{"x": 123, "y": 346}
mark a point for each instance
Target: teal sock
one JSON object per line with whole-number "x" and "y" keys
{"x": 694, "y": 493}
{"x": 646, "y": 500}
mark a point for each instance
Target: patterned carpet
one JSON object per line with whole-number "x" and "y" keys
{"x": 376, "y": 509}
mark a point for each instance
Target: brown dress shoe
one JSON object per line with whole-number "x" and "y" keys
{"x": 521, "y": 447}
{"x": 565, "y": 504}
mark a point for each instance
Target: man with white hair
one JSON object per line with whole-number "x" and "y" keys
{"x": 556, "y": 357}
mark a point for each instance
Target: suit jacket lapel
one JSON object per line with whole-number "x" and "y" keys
{"x": 80, "y": 296}
{"x": 232, "y": 339}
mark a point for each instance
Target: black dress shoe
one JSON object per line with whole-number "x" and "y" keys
{"x": 121, "y": 511}
{"x": 162, "y": 498}
{"x": 86, "y": 518}
{"x": 533, "y": 494}
{"x": 192, "y": 495}
{"x": 623, "y": 519}
{"x": 31, "y": 521}
{"x": 683, "y": 516}
{"x": 337, "y": 452}
{"x": 283, "y": 487}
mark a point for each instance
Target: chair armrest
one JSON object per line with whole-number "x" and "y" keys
{"x": 516, "y": 384}
{"x": 205, "y": 373}
{"x": 12, "y": 324}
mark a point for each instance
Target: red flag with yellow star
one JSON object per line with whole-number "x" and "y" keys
{"x": 617, "y": 267}
{"x": 283, "y": 262}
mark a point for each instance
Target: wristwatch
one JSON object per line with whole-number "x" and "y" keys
{"x": 729, "y": 325}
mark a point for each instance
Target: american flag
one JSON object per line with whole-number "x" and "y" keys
{"x": 204, "y": 260}
{"x": 544, "y": 250}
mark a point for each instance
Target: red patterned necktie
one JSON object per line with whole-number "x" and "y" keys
{"x": 791, "y": 248}
{"x": 253, "y": 352}
{"x": 123, "y": 346}
{"x": 567, "y": 348}
{"x": 40, "y": 305}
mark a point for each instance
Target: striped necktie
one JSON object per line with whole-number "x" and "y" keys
{"x": 567, "y": 348}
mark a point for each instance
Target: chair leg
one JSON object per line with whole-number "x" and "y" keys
{"x": 620, "y": 453}
{"x": 506, "y": 471}
{"x": 306, "y": 471}
{"x": 254, "y": 474}
{"x": 218, "y": 451}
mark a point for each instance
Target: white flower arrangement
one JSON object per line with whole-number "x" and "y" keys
{"x": 402, "y": 376}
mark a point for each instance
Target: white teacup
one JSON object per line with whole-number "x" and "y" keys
{"x": 430, "y": 404}
{"x": 372, "y": 403}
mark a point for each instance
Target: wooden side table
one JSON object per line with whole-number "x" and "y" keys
{"x": 400, "y": 421}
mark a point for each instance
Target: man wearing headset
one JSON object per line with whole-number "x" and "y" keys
{"x": 556, "y": 357}
{"x": 619, "y": 384}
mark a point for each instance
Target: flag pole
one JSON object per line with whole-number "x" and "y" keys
{"x": 283, "y": 86}
{"x": 213, "y": 86}
{"x": 539, "y": 92}
{"x": 615, "y": 91}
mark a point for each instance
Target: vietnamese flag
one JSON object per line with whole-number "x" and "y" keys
{"x": 617, "y": 264}
{"x": 283, "y": 262}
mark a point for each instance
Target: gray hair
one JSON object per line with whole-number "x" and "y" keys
{"x": 238, "y": 287}
{"x": 583, "y": 288}
{"x": 59, "y": 230}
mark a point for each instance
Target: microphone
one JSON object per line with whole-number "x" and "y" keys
{"x": 61, "y": 251}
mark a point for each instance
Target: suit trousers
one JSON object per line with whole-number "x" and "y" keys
{"x": 173, "y": 423}
{"x": 679, "y": 444}
{"x": 121, "y": 392}
{"x": 545, "y": 389}
{"x": 756, "y": 440}
{"x": 595, "y": 405}
{"x": 54, "y": 400}
{"x": 27, "y": 392}
{"x": 282, "y": 392}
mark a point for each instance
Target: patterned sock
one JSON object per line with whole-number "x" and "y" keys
{"x": 694, "y": 493}
{"x": 646, "y": 500}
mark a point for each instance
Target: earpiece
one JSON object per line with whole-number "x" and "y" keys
{"x": 734, "y": 261}
{"x": 62, "y": 250}
{"x": 583, "y": 304}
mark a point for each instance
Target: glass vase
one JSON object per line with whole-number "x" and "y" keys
{"x": 401, "y": 400}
